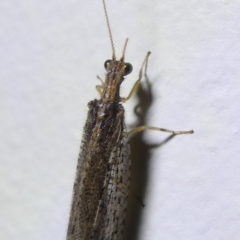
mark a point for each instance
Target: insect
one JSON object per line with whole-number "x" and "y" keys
{"x": 101, "y": 186}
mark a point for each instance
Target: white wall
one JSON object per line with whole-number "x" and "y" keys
{"x": 51, "y": 52}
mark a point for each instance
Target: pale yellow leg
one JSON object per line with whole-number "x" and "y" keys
{"x": 137, "y": 83}
{"x": 143, "y": 128}
{"x": 134, "y": 89}
{"x": 100, "y": 80}
{"x": 100, "y": 87}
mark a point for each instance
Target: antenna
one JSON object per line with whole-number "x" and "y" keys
{"x": 109, "y": 30}
{"x": 124, "y": 49}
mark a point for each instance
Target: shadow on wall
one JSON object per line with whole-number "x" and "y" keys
{"x": 140, "y": 156}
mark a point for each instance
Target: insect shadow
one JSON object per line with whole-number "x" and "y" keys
{"x": 140, "y": 157}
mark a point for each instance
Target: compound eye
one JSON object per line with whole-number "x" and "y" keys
{"x": 107, "y": 63}
{"x": 128, "y": 69}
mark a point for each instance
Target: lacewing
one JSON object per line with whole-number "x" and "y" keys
{"x": 101, "y": 186}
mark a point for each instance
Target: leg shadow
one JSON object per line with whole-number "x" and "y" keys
{"x": 140, "y": 155}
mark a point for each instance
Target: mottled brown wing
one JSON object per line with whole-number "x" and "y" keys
{"x": 101, "y": 184}
{"x": 115, "y": 195}
{"x": 77, "y": 223}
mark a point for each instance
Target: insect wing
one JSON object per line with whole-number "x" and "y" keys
{"x": 112, "y": 208}
{"x": 102, "y": 180}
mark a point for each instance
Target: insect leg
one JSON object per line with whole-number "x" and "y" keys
{"x": 100, "y": 87}
{"x": 143, "y": 128}
{"x": 137, "y": 83}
